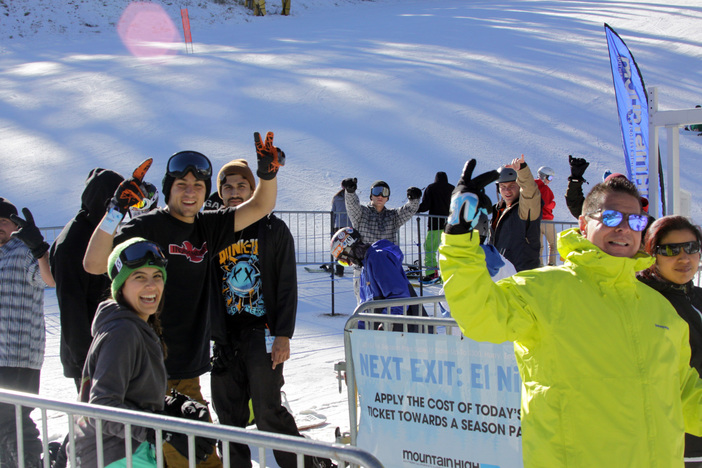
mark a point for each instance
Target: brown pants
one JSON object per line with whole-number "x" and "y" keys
{"x": 549, "y": 230}
{"x": 173, "y": 459}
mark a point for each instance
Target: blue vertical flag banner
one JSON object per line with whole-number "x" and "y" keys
{"x": 437, "y": 400}
{"x": 632, "y": 104}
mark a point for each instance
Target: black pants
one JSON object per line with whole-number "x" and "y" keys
{"x": 244, "y": 374}
{"x": 22, "y": 380}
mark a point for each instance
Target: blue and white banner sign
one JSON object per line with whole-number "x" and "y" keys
{"x": 437, "y": 400}
{"x": 632, "y": 104}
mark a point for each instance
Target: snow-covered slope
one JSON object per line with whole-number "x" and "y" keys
{"x": 391, "y": 89}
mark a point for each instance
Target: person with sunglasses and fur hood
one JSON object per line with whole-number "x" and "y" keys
{"x": 604, "y": 359}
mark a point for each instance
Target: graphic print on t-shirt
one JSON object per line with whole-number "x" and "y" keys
{"x": 192, "y": 253}
{"x": 241, "y": 278}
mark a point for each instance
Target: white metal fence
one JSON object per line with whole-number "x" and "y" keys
{"x": 262, "y": 440}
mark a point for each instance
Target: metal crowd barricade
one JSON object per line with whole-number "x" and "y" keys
{"x": 263, "y": 440}
{"x": 364, "y": 313}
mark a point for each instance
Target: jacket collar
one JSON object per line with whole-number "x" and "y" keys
{"x": 586, "y": 258}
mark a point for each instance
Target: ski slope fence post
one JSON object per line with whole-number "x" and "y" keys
{"x": 432, "y": 398}
{"x": 186, "y": 29}
{"x": 419, "y": 255}
{"x": 97, "y": 414}
{"x": 672, "y": 121}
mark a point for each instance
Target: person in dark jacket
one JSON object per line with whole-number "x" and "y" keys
{"x": 436, "y": 200}
{"x": 516, "y": 218}
{"x": 253, "y": 320}
{"x": 78, "y": 292}
{"x": 340, "y": 216}
{"x": 574, "y": 192}
{"x": 675, "y": 243}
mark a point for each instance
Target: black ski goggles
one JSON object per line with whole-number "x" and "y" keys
{"x": 613, "y": 218}
{"x": 189, "y": 161}
{"x": 673, "y": 250}
{"x": 380, "y": 190}
{"x": 137, "y": 255}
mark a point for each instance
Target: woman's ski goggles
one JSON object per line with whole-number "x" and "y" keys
{"x": 613, "y": 218}
{"x": 673, "y": 250}
{"x": 379, "y": 190}
{"x": 137, "y": 255}
{"x": 189, "y": 161}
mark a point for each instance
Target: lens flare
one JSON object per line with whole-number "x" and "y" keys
{"x": 146, "y": 30}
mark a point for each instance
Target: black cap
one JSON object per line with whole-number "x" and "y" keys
{"x": 7, "y": 208}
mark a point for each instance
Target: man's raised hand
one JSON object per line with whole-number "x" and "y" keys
{"x": 469, "y": 199}
{"x": 270, "y": 158}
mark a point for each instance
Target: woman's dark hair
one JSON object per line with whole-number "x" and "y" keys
{"x": 153, "y": 321}
{"x": 661, "y": 228}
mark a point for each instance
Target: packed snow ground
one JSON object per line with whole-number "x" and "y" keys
{"x": 391, "y": 89}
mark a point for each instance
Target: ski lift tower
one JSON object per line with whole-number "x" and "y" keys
{"x": 672, "y": 121}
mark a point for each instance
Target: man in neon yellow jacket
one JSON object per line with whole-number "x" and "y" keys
{"x": 604, "y": 359}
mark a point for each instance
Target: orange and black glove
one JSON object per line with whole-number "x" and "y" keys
{"x": 131, "y": 191}
{"x": 270, "y": 158}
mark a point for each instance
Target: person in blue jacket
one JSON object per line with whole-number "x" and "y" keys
{"x": 382, "y": 274}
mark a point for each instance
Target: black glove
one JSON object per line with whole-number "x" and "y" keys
{"x": 469, "y": 200}
{"x": 350, "y": 184}
{"x": 182, "y": 406}
{"x": 131, "y": 191}
{"x": 413, "y": 193}
{"x": 577, "y": 168}
{"x": 203, "y": 446}
{"x": 270, "y": 158}
{"x": 29, "y": 233}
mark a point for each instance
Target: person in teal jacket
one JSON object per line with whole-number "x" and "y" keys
{"x": 604, "y": 359}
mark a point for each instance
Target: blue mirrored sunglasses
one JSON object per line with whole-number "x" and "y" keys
{"x": 613, "y": 218}
{"x": 673, "y": 250}
{"x": 379, "y": 190}
{"x": 189, "y": 161}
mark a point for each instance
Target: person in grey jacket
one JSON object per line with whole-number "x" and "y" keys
{"x": 125, "y": 366}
